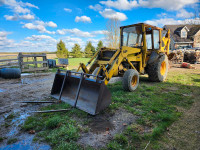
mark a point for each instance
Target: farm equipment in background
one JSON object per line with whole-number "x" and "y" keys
{"x": 143, "y": 49}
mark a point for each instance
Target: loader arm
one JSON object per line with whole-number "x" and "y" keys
{"x": 125, "y": 51}
{"x": 165, "y": 43}
{"x": 113, "y": 64}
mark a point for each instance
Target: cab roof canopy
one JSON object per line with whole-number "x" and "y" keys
{"x": 140, "y": 24}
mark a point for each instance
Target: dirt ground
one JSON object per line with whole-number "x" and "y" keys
{"x": 38, "y": 86}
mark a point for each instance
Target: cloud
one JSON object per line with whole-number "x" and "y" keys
{"x": 162, "y": 15}
{"x": 75, "y": 32}
{"x": 100, "y": 32}
{"x": 184, "y": 14}
{"x": 31, "y": 5}
{"x": 96, "y": 7}
{"x": 70, "y": 41}
{"x": 39, "y": 37}
{"x": 4, "y": 40}
{"x": 51, "y": 24}
{"x": 17, "y": 17}
{"x": 27, "y": 17}
{"x": 67, "y": 10}
{"x": 3, "y": 35}
{"x": 40, "y": 26}
{"x": 168, "y": 5}
{"x": 164, "y": 21}
{"x": 79, "y": 33}
{"x": 29, "y": 44}
{"x": 111, "y": 14}
{"x": 120, "y": 4}
{"x": 13, "y": 18}
{"x": 171, "y": 21}
{"x": 83, "y": 19}
{"x": 35, "y": 42}
{"x": 129, "y": 4}
{"x": 18, "y": 7}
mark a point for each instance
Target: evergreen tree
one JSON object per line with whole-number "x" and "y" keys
{"x": 62, "y": 51}
{"x": 89, "y": 44}
{"x": 99, "y": 45}
{"x": 89, "y": 50}
{"x": 76, "y": 51}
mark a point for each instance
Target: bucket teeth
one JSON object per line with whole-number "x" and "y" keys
{"x": 89, "y": 95}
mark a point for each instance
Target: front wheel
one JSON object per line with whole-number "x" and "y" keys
{"x": 157, "y": 71}
{"x": 130, "y": 80}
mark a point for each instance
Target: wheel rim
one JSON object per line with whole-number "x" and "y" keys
{"x": 163, "y": 68}
{"x": 134, "y": 80}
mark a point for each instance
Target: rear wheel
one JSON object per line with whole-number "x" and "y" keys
{"x": 157, "y": 71}
{"x": 130, "y": 80}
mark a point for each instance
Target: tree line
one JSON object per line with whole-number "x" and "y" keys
{"x": 89, "y": 51}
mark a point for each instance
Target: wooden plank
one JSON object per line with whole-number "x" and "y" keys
{"x": 33, "y": 55}
{"x": 34, "y": 69}
{"x": 33, "y": 62}
{"x": 9, "y": 63}
{"x": 7, "y": 55}
{"x": 3, "y": 60}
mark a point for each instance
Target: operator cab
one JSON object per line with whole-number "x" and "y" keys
{"x": 132, "y": 36}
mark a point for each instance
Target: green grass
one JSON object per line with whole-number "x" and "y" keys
{"x": 1, "y": 139}
{"x": 12, "y": 140}
{"x": 157, "y": 106}
{"x": 75, "y": 62}
{"x": 58, "y": 129}
{"x": 10, "y": 117}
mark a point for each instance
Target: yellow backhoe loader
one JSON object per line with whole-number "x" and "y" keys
{"x": 143, "y": 49}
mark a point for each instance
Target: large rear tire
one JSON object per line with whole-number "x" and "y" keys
{"x": 158, "y": 70}
{"x": 130, "y": 80}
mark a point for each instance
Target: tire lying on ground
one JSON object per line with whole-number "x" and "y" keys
{"x": 10, "y": 73}
{"x": 158, "y": 70}
{"x": 130, "y": 80}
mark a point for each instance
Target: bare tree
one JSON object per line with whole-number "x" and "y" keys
{"x": 196, "y": 18}
{"x": 112, "y": 36}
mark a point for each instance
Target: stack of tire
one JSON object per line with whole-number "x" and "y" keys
{"x": 10, "y": 73}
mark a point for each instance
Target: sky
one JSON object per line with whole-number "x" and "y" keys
{"x": 38, "y": 25}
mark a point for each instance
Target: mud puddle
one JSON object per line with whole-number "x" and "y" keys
{"x": 1, "y": 90}
{"x": 101, "y": 125}
{"x": 25, "y": 142}
{"x": 12, "y": 123}
{"x": 102, "y": 129}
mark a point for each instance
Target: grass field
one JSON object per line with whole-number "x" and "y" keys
{"x": 75, "y": 62}
{"x": 157, "y": 106}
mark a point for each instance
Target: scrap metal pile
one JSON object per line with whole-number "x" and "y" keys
{"x": 190, "y": 56}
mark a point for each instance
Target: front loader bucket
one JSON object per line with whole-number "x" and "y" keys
{"x": 87, "y": 94}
